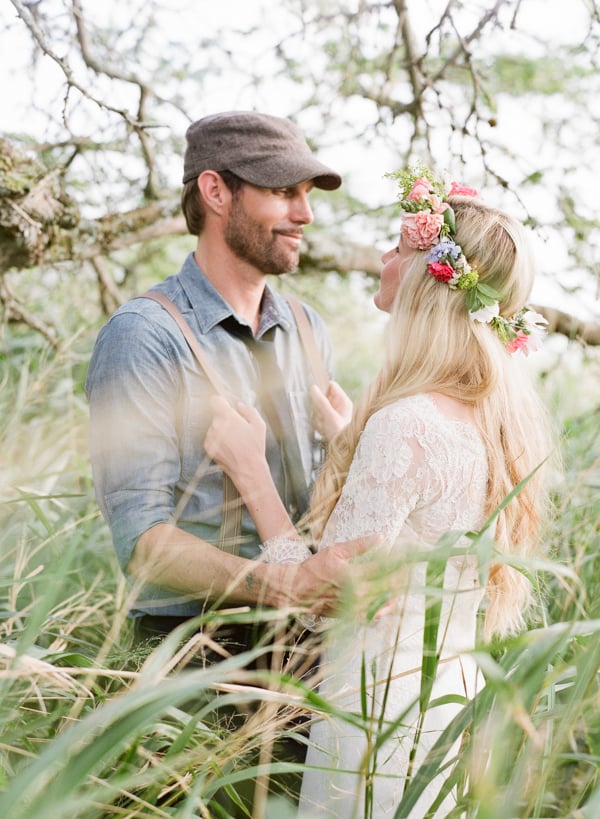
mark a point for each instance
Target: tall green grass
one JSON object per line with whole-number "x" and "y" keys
{"x": 93, "y": 727}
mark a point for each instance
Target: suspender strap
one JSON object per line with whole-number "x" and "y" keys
{"x": 275, "y": 404}
{"x": 231, "y": 516}
{"x": 231, "y": 513}
{"x": 307, "y": 338}
{"x": 191, "y": 339}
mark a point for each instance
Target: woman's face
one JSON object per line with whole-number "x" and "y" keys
{"x": 394, "y": 263}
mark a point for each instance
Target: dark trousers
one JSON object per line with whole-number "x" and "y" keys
{"x": 233, "y": 639}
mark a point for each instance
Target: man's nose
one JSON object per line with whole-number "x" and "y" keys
{"x": 301, "y": 210}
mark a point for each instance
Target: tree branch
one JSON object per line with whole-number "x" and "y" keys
{"x": 39, "y": 224}
{"x": 463, "y": 42}
{"x": 567, "y": 325}
{"x": 39, "y": 38}
{"x": 151, "y": 188}
{"x": 110, "y": 297}
{"x": 14, "y": 310}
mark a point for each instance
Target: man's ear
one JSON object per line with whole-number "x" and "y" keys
{"x": 214, "y": 192}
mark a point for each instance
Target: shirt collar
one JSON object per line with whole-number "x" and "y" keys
{"x": 210, "y": 308}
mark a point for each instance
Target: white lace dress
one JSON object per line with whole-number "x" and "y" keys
{"x": 416, "y": 475}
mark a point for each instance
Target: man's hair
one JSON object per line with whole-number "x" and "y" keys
{"x": 193, "y": 206}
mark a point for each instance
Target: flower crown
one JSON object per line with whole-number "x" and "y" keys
{"x": 428, "y": 223}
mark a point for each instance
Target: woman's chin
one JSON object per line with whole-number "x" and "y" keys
{"x": 379, "y": 303}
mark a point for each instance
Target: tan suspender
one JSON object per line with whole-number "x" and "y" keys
{"x": 231, "y": 516}
{"x": 231, "y": 513}
{"x": 191, "y": 339}
{"x": 307, "y": 337}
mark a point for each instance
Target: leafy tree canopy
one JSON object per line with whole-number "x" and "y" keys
{"x": 502, "y": 94}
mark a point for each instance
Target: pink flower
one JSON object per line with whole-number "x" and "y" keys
{"x": 456, "y": 189}
{"x": 437, "y": 206}
{"x": 421, "y": 230}
{"x": 420, "y": 190}
{"x": 441, "y": 271}
{"x": 518, "y": 343}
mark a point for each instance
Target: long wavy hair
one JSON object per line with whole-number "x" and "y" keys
{"x": 432, "y": 344}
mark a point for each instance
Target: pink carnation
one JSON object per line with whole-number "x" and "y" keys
{"x": 456, "y": 189}
{"x": 437, "y": 206}
{"x": 443, "y": 272}
{"x": 420, "y": 190}
{"x": 519, "y": 343}
{"x": 421, "y": 230}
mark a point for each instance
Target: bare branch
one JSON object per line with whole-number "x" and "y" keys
{"x": 110, "y": 298}
{"x": 14, "y": 310}
{"x": 585, "y": 332}
{"x": 461, "y": 48}
{"x": 89, "y": 59}
{"x": 324, "y": 254}
{"x": 38, "y": 35}
{"x": 413, "y": 62}
{"x": 151, "y": 189}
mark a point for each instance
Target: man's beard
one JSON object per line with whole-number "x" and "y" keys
{"x": 251, "y": 242}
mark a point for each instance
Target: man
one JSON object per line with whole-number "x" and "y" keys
{"x": 247, "y": 179}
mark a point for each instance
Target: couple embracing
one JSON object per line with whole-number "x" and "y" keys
{"x": 449, "y": 427}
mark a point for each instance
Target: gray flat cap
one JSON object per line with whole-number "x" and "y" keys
{"x": 266, "y": 151}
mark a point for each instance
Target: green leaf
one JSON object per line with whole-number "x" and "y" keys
{"x": 433, "y": 611}
{"x": 450, "y": 220}
{"x": 486, "y": 290}
{"x": 472, "y": 300}
{"x": 484, "y": 299}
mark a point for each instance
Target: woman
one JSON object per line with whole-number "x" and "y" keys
{"x": 449, "y": 428}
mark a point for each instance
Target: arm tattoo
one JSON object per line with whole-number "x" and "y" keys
{"x": 250, "y": 581}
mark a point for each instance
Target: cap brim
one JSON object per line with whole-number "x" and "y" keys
{"x": 275, "y": 174}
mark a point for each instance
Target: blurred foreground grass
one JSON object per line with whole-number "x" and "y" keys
{"x": 91, "y": 728}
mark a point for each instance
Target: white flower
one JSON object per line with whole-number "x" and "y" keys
{"x": 535, "y": 332}
{"x": 486, "y": 314}
{"x": 532, "y": 320}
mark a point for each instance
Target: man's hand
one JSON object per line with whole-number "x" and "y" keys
{"x": 331, "y": 410}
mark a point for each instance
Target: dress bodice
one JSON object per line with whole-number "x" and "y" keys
{"x": 416, "y": 472}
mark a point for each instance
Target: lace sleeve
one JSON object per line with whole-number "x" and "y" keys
{"x": 284, "y": 550}
{"x": 289, "y": 550}
{"x": 386, "y": 480}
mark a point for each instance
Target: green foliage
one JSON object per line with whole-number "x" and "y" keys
{"x": 92, "y": 727}
{"x": 518, "y": 74}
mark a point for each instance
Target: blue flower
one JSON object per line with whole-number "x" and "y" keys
{"x": 445, "y": 249}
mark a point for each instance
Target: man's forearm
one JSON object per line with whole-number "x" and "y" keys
{"x": 177, "y": 560}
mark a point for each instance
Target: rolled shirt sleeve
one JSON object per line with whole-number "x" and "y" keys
{"x": 134, "y": 394}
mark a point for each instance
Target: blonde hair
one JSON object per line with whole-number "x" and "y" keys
{"x": 434, "y": 346}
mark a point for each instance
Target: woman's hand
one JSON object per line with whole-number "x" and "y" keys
{"x": 236, "y": 440}
{"x": 331, "y": 411}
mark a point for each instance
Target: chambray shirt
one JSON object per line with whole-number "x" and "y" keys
{"x": 149, "y": 414}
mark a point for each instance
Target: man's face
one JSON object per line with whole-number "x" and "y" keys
{"x": 265, "y": 226}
